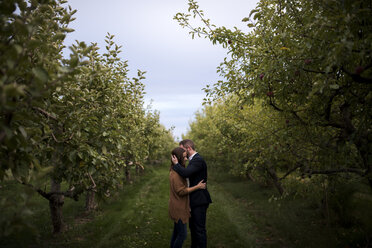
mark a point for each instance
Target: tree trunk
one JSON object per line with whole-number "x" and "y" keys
{"x": 326, "y": 205}
{"x": 139, "y": 169}
{"x": 275, "y": 179}
{"x": 55, "y": 204}
{"x": 363, "y": 146}
{"x": 90, "y": 202}
{"x": 248, "y": 174}
{"x": 127, "y": 174}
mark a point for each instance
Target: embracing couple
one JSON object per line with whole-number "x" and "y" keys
{"x": 189, "y": 197}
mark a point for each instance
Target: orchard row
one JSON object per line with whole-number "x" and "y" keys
{"x": 295, "y": 107}
{"x": 75, "y": 119}
{"x": 296, "y": 96}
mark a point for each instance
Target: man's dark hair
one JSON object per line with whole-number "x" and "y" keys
{"x": 187, "y": 143}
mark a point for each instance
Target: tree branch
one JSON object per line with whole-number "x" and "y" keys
{"x": 291, "y": 170}
{"x": 94, "y": 184}
{"x": 55, "y": 139}
{"x": 336, "y": 171}
{"x": 2, "y": 136}
{"x": 332, "y": 124}
{"x": 42, "y": 111}
{"x": 356, "y": 77}
{"x": 329, "y": 105}
{"x": 320, "y": 72}
{"x": 274, "y": 105}
{"x": 69, "y": 193}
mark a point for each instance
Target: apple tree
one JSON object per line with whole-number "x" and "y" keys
{"x": 68, "y": 124}
{"x": 310, "y": 61}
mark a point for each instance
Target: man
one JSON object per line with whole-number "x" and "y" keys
{"x": 199, "y": 199}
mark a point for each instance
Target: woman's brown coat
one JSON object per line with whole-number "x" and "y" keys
{"x": 179, "y": 203}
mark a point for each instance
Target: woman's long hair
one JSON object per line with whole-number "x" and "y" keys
{"x": 178, "y": 152}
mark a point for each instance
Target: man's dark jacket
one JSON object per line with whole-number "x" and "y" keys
{"x": 195, "y": 171}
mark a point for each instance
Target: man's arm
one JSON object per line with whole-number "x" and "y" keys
{"x": 193, "y": 168}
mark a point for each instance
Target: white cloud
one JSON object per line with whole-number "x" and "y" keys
{"x": 177, "y": 66}
{"x": 176, "y": 102}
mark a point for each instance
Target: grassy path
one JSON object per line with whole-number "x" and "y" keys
{"x": 139, "y": 218}
{"x": 240, "y": 216}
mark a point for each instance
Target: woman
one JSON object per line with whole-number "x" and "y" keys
{"x": 179, "y": 209}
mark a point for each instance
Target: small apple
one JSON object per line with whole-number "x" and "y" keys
{"x": 307, "y": 61}
{"x": 270, "y": 93}
{"x": 359, "y": 70}
{"x": 229, "y": 41}
{"x": 261, "y": 76}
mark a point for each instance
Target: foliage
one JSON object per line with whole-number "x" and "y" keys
{"x": 311, "y": 63}
{"x": 76, "y": 119}
{"x": 31, "y": 45}
{"x": 296, "y": 98}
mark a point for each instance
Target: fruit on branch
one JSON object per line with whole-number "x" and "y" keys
{"x": 270, "y": 93}
{"x": 359, "y": 70}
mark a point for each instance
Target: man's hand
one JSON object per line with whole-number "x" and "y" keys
{"x": 174, "y": 160}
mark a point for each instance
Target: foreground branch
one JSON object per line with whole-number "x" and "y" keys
{"x": 335, "y": 171}
{"x": 47, "y": 195}
{"x": 357, "y": 77}
{"x": 291, "y": 170}
{"x": 45, "y": 113}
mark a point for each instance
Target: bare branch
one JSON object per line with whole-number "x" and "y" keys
{"x": 70, "y": 193}
{"x": 48, "y": 115}
{"x": 68, "y": 139}
{"x": 357, "y": 77}
{"x": 336, "y": 171}
{"x": 332, "y": 124}
{"x": 2, "y": 136}
{"x": 274, "y": 105}
{"x": 320, "y": 72}
{"x": 55, "y": 139}
{"x": 94, "y": 184}
{"x": 291, "y": 171}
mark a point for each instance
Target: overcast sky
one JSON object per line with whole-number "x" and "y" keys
{"x": 177, "y": 66}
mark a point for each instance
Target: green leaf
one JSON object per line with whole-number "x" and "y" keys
{"x": 40, "y": 74}
{"x": 257, "y": 16}
{"x": 59, "y": 36}
{"x": 23, "y": 131}
{"x": 13, "y": 90}
{"x": 18, "y": 48}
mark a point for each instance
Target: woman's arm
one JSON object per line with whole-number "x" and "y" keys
{"x": 200, "y": 185}
{"x": 182, "y": 190}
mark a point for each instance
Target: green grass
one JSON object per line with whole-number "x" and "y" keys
{"x": 240, "y": 216}
{"x": 271, "y": 223}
